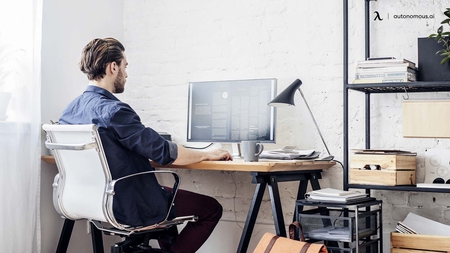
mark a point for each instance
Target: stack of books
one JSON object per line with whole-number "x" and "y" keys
{"x": 335, "y": 196}
{"x": 387, "y": 69}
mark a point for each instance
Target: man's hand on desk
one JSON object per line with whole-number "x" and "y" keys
{"x": 219, "y": 155}
{"x": 189, "y": 156}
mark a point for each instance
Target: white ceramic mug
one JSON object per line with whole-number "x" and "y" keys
{"x": 251, "y": 150}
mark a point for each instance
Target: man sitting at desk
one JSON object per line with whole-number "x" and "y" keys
{"x": 129, "y": 145}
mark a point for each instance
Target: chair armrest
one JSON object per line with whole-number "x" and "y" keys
{"x": 110, "y": 189}
{"x": 81, "y": 146}
{"x": 111, "y": 186}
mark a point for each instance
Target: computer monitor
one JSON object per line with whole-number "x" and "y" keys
{"x": 231, "y": 111}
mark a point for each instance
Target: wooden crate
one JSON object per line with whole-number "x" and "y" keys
{"x": 383, "y": 177}
{"x": 385, "y": 161}
{"x": 394, "y": 169}
{"x": 405, "y": 243}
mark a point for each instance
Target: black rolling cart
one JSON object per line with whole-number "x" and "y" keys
{"x": 343, "y": 228}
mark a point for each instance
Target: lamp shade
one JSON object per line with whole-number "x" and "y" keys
{"x": 286, "y": 97}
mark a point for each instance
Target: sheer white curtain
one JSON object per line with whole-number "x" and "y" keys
{"x": 20, "y": 50}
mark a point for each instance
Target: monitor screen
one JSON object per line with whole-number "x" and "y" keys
{"x": 231, "y": 111}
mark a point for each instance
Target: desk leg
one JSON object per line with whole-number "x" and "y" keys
{"x": 314, "y": 182}
{"x": 64, "y": 238}
{"x": 303, "y": 186}
{"x": 276, "y": 207}
{"x": 251, "y": 217}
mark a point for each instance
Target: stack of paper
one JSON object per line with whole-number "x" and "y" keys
{"x": 402, "y": 228}
{"x": 330, "y": 233}
{"x": 334, "y": 195}
{"x": 336, "y": 233}
{"x": 284, "y": 154}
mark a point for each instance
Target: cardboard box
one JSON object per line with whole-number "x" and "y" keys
{"x": 408, "y": 243}
{"x": 392, "y": 169}
{"x": 426, "y": 119}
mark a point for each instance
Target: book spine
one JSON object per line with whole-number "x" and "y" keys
{"x": 382, "y": 80}
{"x": 369, "y": 65}
{"x": 386, "y": 59}
{"x": 380, "y": 58}
{"x": 401, "y": 74}
{"x": 385, "y": 70}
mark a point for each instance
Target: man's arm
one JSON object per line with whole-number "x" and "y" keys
{"x": 190, "y": 156}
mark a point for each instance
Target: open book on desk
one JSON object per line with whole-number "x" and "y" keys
{"x": 294, "y": 154}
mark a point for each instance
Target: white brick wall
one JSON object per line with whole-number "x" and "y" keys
{"x": 170, "y": 43}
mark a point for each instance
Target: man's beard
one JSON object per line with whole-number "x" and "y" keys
{"x": 119, "y": 83}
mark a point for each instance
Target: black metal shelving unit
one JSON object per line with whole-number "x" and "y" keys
{"x": 377, "y": 88}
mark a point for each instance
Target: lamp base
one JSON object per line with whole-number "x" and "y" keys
{"x": 328, "y": 158}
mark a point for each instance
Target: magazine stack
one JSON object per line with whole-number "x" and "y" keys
{"x": 331, "y": 195}
{"x": 383, "y": 70}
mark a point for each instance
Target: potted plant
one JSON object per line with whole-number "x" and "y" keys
{"x": 433, "y": 55}
{"x": 443, "y": 38}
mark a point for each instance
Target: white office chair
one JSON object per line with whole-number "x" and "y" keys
{"x": 84, "y": 190}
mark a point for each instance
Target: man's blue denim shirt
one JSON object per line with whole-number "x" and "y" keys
{"x": 128, "y": 145}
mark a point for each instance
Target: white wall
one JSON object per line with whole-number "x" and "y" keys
{"x": 67, "y": 27}
{"x": 169, "y": 43}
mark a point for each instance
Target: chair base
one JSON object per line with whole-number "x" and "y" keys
{"x": 118, "y": 250}
{"x": 139, "y": 243}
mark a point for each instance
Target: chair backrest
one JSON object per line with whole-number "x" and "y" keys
{"x": 80, "y": 186}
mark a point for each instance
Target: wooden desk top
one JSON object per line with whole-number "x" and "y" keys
{"x": 239, "y": 165}
{"x": 48, "y": 159}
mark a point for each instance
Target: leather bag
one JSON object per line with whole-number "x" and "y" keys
{"x": 271, "y": 243}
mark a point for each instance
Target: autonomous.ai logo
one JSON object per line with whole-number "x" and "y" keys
{"x": 401, "y": 16}
{"x": 377, "y": 16}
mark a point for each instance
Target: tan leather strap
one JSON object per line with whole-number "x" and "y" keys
{"x": 271, "y": 243}
{"x": 305, "y": 248}
{"x": 292, "y": 230}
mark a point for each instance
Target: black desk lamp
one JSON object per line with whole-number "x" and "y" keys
{"x": 286, "y": 98}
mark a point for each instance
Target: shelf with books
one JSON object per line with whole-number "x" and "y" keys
{"x": 382, "y": 80}
{"x": 374, "y": 87}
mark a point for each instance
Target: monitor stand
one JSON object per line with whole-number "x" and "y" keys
{"x": 236, "y": 150}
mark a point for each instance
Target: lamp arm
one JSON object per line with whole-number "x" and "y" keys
{"x": 315, "y": 123}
